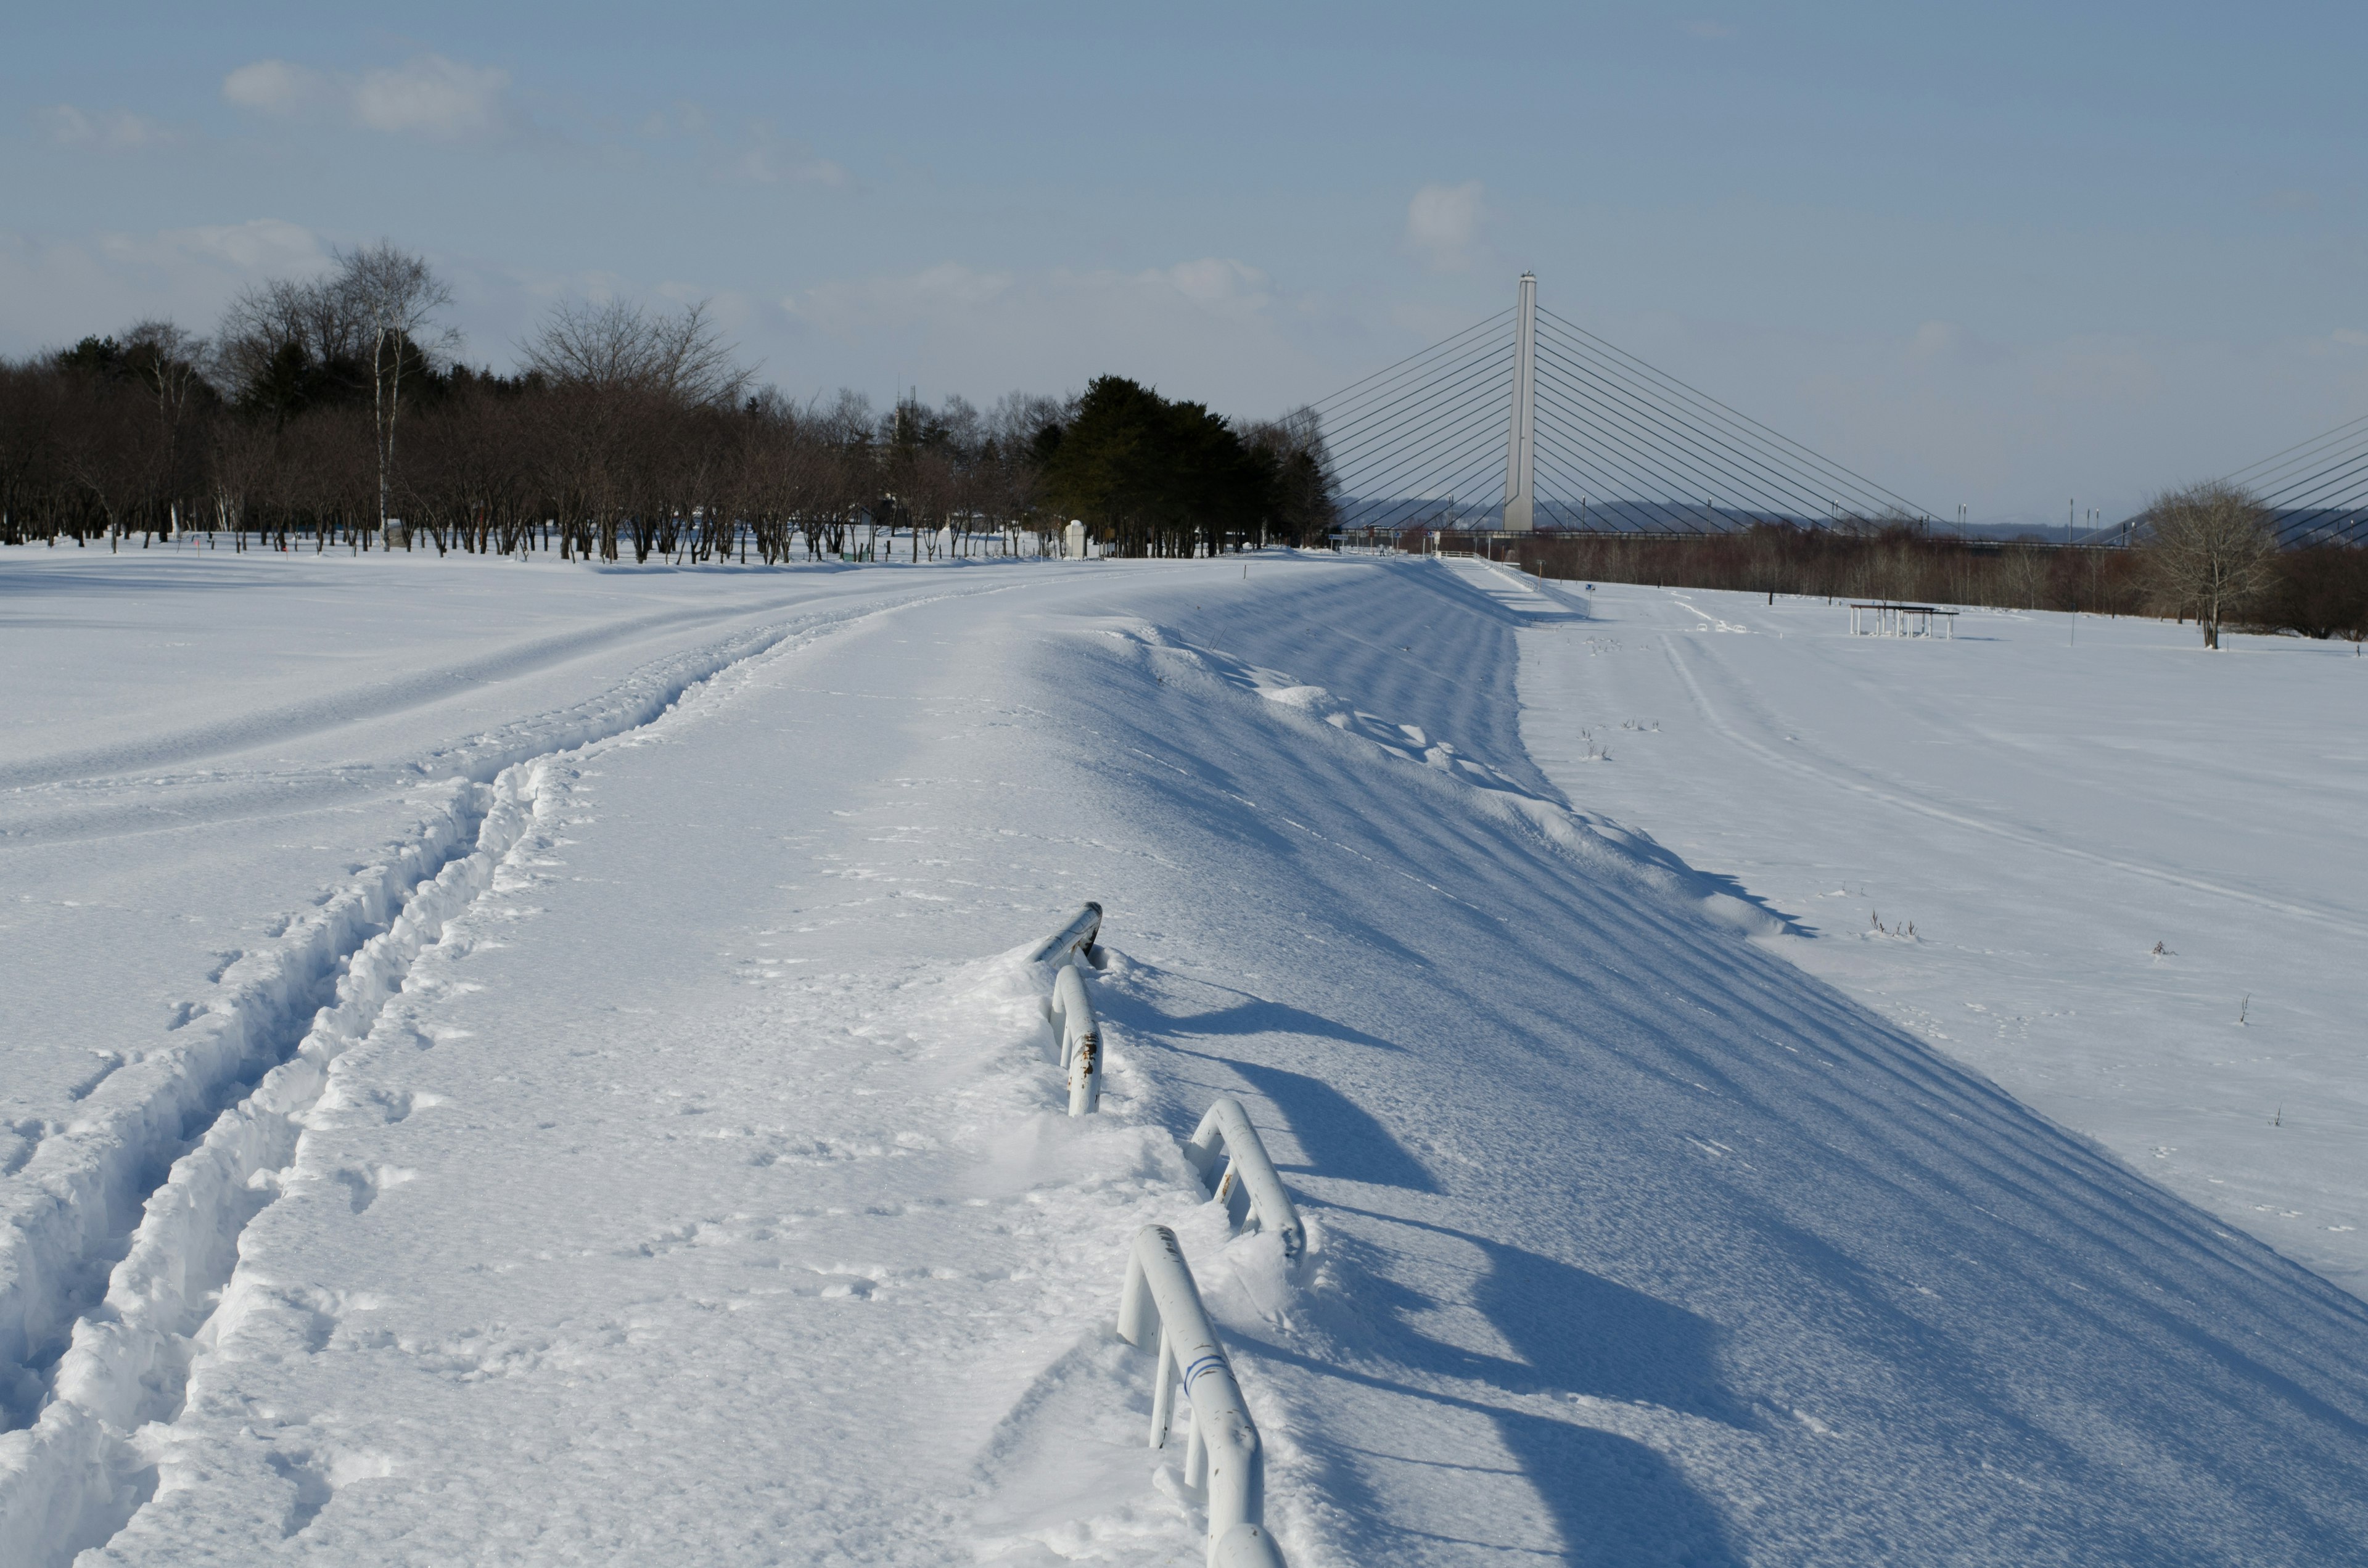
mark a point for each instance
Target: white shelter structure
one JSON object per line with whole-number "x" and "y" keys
{"x": 1885, "y": 619}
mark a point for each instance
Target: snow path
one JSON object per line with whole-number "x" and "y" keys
{"x": 2044, "y": 811}
{"x": 701, "y": 1192}
{"x": 107, "y": 1085}
{"x": 349, "y": 955}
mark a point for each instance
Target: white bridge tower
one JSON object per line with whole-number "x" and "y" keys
{"x": 1520, "y": 455}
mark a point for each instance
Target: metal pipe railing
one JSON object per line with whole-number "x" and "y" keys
{"x": 1076, "y": 938}
{"x": 1081, "y": 1039}
{"x": 1225, "y": 1131}
{"x": 1073, "y": 1009}
{"x": 1221, "y": 1452}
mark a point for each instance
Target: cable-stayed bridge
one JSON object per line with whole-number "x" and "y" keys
{"x": 1528, "y": 421}
{"x": 2315, "y": 492}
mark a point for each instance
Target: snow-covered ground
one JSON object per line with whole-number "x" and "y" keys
{"x": 1986, "y": 838}
{"x": 675, "y": 1168}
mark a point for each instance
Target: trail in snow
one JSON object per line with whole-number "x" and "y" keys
{"x": 79, "y": 1179}
{"x": 704, "y": 1193}
{"x": 132, "y": 1016}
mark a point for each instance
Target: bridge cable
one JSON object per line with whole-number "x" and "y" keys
{"x": 1867, "y": 486}
{"x": 1790, "y": 477}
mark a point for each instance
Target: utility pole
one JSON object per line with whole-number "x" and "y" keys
{"x": 1521, "y": 457}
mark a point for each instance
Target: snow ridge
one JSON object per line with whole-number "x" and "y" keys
{"x": 1601, "y": 846}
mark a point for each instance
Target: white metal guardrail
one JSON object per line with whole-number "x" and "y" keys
{"x": 1249, "y": 1175}
{"x": 1073, "y": 1009}
{"x": 1081, "y": 1041}
{"x": 1221, "y": 1450}
{"x": 1074, "y": 939}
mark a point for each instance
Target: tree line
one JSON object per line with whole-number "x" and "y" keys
{"x": 336, "y": 412}
{"x": 2206, "y": 553}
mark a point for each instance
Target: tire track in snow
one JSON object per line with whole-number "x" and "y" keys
{"x": 73, "y": 1477}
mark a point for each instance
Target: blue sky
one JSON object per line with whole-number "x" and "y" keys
{"x": 2001, "y": 255}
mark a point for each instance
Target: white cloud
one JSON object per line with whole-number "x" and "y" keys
{"x": 1933, "y": 339}
{"x": 277, "y": 87}
{"x": 2351, "y": 337}
{"x": 752, "y": 152}
{"x": 117, "y": 129}
{"x": 433, "y": 97}
{"x": 262, "y": 247}
{"x": 1444, "y": 225}
{"x": 1214, "y": 283}
{"x": 1211, "y": 288}
{"x": 444, "y": 100}
{"x": 767, "y": 159}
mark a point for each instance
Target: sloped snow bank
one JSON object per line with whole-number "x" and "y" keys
{"x": 1646, "y": 1247}
{"x": 1597, "y": 843}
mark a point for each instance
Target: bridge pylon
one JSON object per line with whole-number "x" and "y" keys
{"x": 1527, "y": 421}
{"x": 1520, "y": 449}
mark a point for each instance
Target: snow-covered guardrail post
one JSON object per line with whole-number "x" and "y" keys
{"x": 1221, "y": 1450}
{"x": 1081, "y": 1039}
{"x": 1226, "y": 1131}
{"x": 1076, "y": 938}
{"x": 1072, "y": 1010}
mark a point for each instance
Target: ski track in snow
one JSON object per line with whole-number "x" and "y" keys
{"x": 752, "y": 1231}
{"x": 70, "y": 1480}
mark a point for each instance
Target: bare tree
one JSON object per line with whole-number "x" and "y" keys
{"x": 167, "y": 359}
{"x": 394, "y": 297}
{"x": 281, "y": 338}
{"x": 2023, "y": 571}
{"x": 619, "y": 347}
{"x": 1302, "y": 509}
{"x": 2210, "y": 546}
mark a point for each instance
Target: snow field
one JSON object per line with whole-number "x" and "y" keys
{"x": 699, "y": 1195}
{"x": 88, "y": 1143}
{"x": 192, "y": 743}
{"x": 1986, "y": 839}
{"x": 160, "y": 1312}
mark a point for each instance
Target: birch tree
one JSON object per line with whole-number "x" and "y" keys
{"x": 395, "y": 296}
